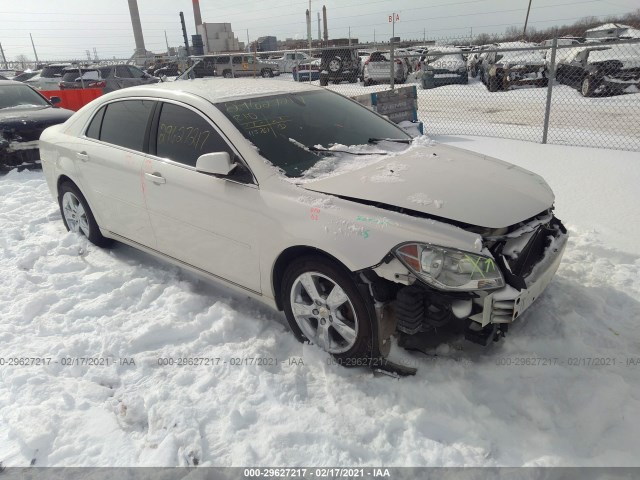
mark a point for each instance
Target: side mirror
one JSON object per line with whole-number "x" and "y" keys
{"x": 217, "y": 163}
{"x": 55, "y": 100}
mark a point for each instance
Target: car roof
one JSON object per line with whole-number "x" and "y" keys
{"x": 7, "y": 82}
{"x": 215, "y": 89}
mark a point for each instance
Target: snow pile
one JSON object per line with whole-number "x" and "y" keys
{"x": 511, "y": 404}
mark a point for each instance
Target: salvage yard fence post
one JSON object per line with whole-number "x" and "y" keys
{"x": 551, "y": 80}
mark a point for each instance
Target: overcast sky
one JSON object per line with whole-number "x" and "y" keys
{"x": 67, "y": 28}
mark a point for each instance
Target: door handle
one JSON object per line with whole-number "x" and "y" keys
{"x": 156, "y": 178}
{"x": 82, "y": 156}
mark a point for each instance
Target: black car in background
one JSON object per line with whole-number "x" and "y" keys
{"x": 520, "y": 63}
{"x": 338, "y": 64}
{"x": 601, "y": 69}
{"x": 107, "y": 77}
{"x": 24, "y": 114}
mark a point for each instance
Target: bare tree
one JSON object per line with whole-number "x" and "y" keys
{"x": 23, "y": 60}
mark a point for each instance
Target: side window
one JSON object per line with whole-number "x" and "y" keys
{"x": 183, "y": 136}
{"x": 224, "y": 60}
{"x": 135, "y": 72}
{"x": 125, "y": 123}
{"x": 237, "y": 60}
{"x": 122, "y": 71}
{"x": 94, "y": 127}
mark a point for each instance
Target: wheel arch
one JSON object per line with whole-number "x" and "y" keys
{"x": 286, "y": 257}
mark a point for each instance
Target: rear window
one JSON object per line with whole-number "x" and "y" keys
{"x": 74, "y": 75}
{"x": 53, "y": 71}
{"x": 125, "y": 123}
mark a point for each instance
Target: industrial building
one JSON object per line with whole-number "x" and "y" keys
{"x": 219, "y": 37}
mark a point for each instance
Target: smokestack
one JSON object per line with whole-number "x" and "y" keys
{"x": 324, "y": 17}
{"x": 309, "y": 27}
{"x": 137, "y": 29}
{"x": 196, "y": 13}
{"x": 319, "y": 34}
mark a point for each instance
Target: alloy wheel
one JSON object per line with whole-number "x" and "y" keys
{"x": 75, "y": 214}
{"x": 324, "y": 312}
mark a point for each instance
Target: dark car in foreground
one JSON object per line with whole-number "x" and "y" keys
{"x": 24, "y": 114}
{"x": 602, "y": 70}
{"x": 107, "y": 77}
{"x": 339, "y": 64}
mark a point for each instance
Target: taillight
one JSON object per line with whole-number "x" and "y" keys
{"x": 366, "y": 62}
{"x": 100, "y": 84}
{"x": 399, "y": 62}
{"x": 60, "y": 86}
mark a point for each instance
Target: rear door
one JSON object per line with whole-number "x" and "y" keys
{"x": 110, "y": 164}
{"x": 204, "y": 221}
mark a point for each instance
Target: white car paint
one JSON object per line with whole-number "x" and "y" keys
{"x": 235, "y": 232}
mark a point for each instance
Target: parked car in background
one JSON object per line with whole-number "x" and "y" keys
{"x": 604, "y": 69}
{"x": 49, "y": 77}
{"x": 183, "y": 171}
{"x": 107, "y": 77}
{"x": 230, "y": 66}
{"x": 307, "y": 71}
{"x": 502, "y": 70}
{"x": 443, "y": 66}
{"x": 289, "y": 60}
{"x": 377, "y": 69}
{"x": 24, "y": 76}
{"x": 24, "y": 114}
{"x": 338, "y": 64}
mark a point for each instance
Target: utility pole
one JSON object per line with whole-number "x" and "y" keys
{"x": 4, "y": 60}
{"x": 248, "y": 44}
{"x": 309, "y": 25}
{"x": 349, "y": 36}
{"x": 167, "y": 41}
{"x": 526, "y": 20}
{"x": 95, "y": 54}
{"x": 34, "y": 50}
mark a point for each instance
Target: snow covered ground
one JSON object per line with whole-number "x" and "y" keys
{"x": 534, "y": 399}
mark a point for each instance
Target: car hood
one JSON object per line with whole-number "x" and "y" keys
{"x": 14, "y": 117}
{"x": 446, "y": 182}
{"x": 29, "y": 123}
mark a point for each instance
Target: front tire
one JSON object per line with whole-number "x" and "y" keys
{"x": 324, "y": 306}
{"x": 587, "y": 87}
{"x": 77, "y": 215}
{"x": 267, "y": 73}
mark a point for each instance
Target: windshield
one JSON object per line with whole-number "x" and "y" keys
{"x": 20, "y": 96}
{"x": 281, "y": 126}
{"x": 74, "y": 75}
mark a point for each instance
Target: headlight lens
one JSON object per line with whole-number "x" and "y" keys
{"x": 450, "y": 269}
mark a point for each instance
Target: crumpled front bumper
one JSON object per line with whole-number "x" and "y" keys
{"x": 508, "y": 303}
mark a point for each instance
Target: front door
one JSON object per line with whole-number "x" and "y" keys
{"x": 205, "y": 221}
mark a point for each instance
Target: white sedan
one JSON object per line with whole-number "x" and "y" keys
{"x": 313, "y": 204}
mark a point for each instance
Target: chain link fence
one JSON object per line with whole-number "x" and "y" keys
{"x": 564, "y": 92}
{"x": 571, "y": 93}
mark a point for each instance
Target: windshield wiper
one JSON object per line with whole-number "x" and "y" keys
{"x": 395, "y": 140}
{"x": 313, "y": 149}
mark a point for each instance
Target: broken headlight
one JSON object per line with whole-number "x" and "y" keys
{"x": 450, "y": 269}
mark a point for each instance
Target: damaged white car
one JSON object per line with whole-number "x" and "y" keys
{"x": 311, "y": 203}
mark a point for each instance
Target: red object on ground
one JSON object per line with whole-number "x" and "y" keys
{"x": 74, "y": 99}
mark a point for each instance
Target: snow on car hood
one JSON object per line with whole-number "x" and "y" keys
{"x": 447, "y": 182}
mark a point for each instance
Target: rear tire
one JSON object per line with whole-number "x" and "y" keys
{"x": 324, "y": 80}
{"x": 77, "y": 216}
{"x": 324, "y": 306}
{"x": 227, "y": 74}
